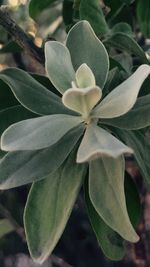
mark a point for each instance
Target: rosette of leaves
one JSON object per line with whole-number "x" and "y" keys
{"x": 73, "y": 138}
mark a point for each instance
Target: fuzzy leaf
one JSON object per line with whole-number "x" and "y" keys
{"x": 31, "y": 94}
{"x": 37, "y": 133}
{"x": 106, "y": 190}
{"x": 48, "y": 208}
{"x": 59, "y": 66}
{"x": 123, "y": 97}
{"x": 82, "y": 100}
{"x": 97, "y": 142}
{"x": 85, "y": 77}
{"x": 37, "y": 6}
{"x": 22, "y": 167}
{"x": 85, "y": 47}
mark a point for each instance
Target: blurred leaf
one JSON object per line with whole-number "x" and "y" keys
{"x": 5, "y": 227}
{"x": 49, "y": 205}
{"x": 11, "y": 47}
{"x": 106, "y": 191}
{"x": 22, "y": 167}
{"x": 113, "y": 80}
{"x": 38, "y": 133}
{"x": 68, "y": 12}
{"x": 7, "y": 98}
{"x": 85, "y": 47}
{"x": 124, "y": 42}
{"x": 109, "y": 241}
{"x": 37, "y": 6}
{"x": 92, "y": 12}
{"x": 122, "y": 27}
{"x": 143, "y": 14}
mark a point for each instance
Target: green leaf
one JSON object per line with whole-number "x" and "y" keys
{"x": 138, "y": 117}
{"x": 85, "y": 77}
{"x": 124, "y": 42}
{"x": 113, "y": 80}
{"x": 49, "y": 205}
{"x": 143, "y": 14}
{"x": 68, "y": 12}
{"x": 141, "y": 147}
{"x": 7, "y": 98}
{"x": 106, "y": 191}
{"x": 109, "y": 241}
{"x": 5, "y": 227}
{"x": 37, "y": 133}
{"x": 85, "y": 47}
{"x": 82, "y": 100}
{"x": 37, "y": 6}
{"x": 22, "y": 167}
{"x": 92, "y": 12}
{"x": 59, "y": 66}
{"x": 123, "y": 97}
{"x": 98, "y": 142}
{"x": 122, "y": 27}
{"x": 132, "y": 200}
{"x": 13, "y": 114}
{"x": 32, "y": 94}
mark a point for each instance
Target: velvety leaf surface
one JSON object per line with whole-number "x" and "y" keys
{"x": 32, "y": 94}
{"x": 82, "y": 100}
{"x": 22, "y": 167}
{"x": 85, "y": 47}
{"x": 92, "y": 12}
{"x": 59, "y": 66}
{"x": 37, "y": 133}
{"x": 98, "y": 142}
{"x": 123, "y": 97}
{"x": 106, "y": 191}
{"x": 124, "y": 42}
{"x": 109, "y": 241}
{"x": 138, "y": 117}
{"x": 49, "y": 205}
{"x": 85, "y": 77}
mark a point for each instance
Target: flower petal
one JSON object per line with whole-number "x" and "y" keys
{"x": 82, "y": 100}
{"x": 97, "y": 142}
{"x": 123, "y": 97}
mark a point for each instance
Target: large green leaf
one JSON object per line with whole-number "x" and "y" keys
{"x": 138, "y": 117}
{"x": 59, "y": 66}
{"x": 32, "y": 94}
{"x": 141, "y": 147}
{"x": 22, "y": 167}
{"x": 106, "y": 191}
{"x": 7, "y": 98}
{"x": 143, "y": 14}
{"x": 92, "y": 12}
{"x": 85, "y": 47}
{"x": 13, "y": 114}
{"x": 49, "y": 205}
{"x": 37, "y": 133}
{"x": 109, "y": 241}
{"x": 124, "y": 42}
{"x": 37, "y": 6}
{"x": 124, "y": 96}
{"x": 97, "y": 142}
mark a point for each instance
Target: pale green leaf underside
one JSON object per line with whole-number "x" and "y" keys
{"x": 106, "y": 190}
{"x": 85, "y": 77}
{"x": 31, "y": 94}
{"x": 85, "y": 47}
{"x": 123, "y": 97}
{"x": 23, "y": 167}
{"x": 136, "y": 118}
{"x": 59, "y": 66}
{"x": 82, "y": 100}
{"x": 37, "y": 133}
{"x": 48, "y": 208}
{"x": 110, "y": 242}
{"x": 97, "y": 142}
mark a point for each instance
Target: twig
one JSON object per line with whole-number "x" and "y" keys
{"x": 59, "y": 262}
{"x": 20, "y": 36}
